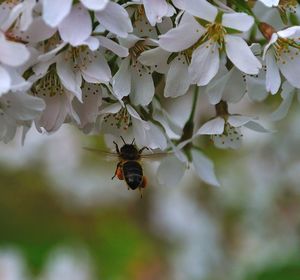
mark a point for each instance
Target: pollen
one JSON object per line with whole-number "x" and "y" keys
{"x": 120, "y": 120}
{"x": 48, "y": 86}
{"x": 81, "y": 57}
{"x": 288, "y": 6}
{"x": 286, "y": 49}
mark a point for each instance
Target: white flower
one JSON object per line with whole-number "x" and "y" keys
{"x": 12, "y": 54}
{"x": 77, "y": 63}
{"x": 116, "y": 119}
{"x": 17, "y": 108}
{"x": 58, "y": 102}
{"x": 288, "y": 93}
{"x": 282, "y": 55}
{"x": 133, "y": 77}
{"x": 156, "y": 9}
{"x": 76, "y": 28}
{"x": 225, "y": 129}
{"x": 88, "y": 109}
{"x": 172, "y": 168}
{"x": 232, "y": 85}
{"x": 54, "y": 11}
{"x": 202, "y": 44}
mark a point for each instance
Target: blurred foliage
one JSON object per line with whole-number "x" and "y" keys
{"x": 35, "y": 220}
{"x": 287, "y": 271}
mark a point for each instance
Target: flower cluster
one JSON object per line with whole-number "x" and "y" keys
{"x": 136, "y": 69}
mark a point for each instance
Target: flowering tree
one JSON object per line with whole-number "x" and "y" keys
{"x": 116, "y": 67}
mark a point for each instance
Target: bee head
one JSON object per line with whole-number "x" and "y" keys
{"x": 129, "y": 152}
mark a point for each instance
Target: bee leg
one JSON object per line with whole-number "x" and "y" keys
{"x": 117, "y": 147}
{"x": 142, "y": 149}
{"x": 141, "y": 192}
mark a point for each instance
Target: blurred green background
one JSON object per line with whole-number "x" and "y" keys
{"x": 62, "y": 217}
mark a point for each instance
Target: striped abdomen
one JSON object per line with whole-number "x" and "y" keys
{"x": 133, "y": 173}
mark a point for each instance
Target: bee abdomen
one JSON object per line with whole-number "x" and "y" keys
{"x": 133, "y": 173}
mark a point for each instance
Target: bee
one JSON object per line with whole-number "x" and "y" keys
{"x": 129, "y": 166}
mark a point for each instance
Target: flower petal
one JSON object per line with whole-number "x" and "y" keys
{"x": 77, "y": 26}
{"x": 204, "y": 168}
{"x": 142, "y": 86}
{"x": 12, "y": 53}
{"x": 289, "y": 65}
{"x": 155, "y": 10}
{"x": 88, "y": 110}
{"x": 157, "y": 58}
{"x": 70, "y": 79}
{"x": 255, "y": 126}
{"x": 177, "y": 80}
{"x": 238, "y": 120}
{"x": 115, "y": 19}
{"x": 283, "y": 109}
{"x": 5, "y": 81}
{"x": 54, "y": 11}
{"x": 98, "y": 70}
{"x": 273, "y": 79}
{"x": 182, "y": 37}
{"x": 201, "y": 9}
{"x": 238, "y": 21}
{"x": 241, "y": 55}
{"x": 204, "y": 64}
{"x": 215, "y": 88}
{"x": 214, "y": 126}
{"x": 121, "y": 81}
{"x": 36, "y": 32}
{"x": 95, "y": 5}
{"x": 113, "y": 46}
{"x": 170, "y": 171}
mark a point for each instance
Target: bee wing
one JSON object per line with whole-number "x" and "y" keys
{"x": 107, "y": 155}
{"x": 156, "y": 156}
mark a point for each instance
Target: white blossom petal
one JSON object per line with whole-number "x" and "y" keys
{"x": 214, "y": 126}
{"x": 177, "y": 80}
{"x": 157, "y": 58}
{"x": 143, "y": 89}
{"x": 113, "y": 46}
{"x": 12, "y": 53}
{"x": 5, "y": 81}
{"x": 281, "y": 112}
{"x": 54, "y": 11}
{"x": 97, "y": 71}
{"x": 88, "y": 110}
{"x": 241, "y": 55}
{"x": 121, "y": 81}
{"x": 215, "y": 88}
{"x": 273, "y": 79}
{"x": 237, "y": 120}
{"x": 238, "y": 21}
{"x": 200, "y": 8}
{"x": 70, "y": 79}
{"x": 255, "y": 126}
{"x": 289, "y": 65}
{"x": 182, "y": 37}
{"x": 155, "y": 10}
{"x": 115, "y": 19}
{"x": 170, "y": 171}
{"x": 95, "y": 5}
{"x": 77, "y": 26}
{"x": 23, "y": 106}
{"x": 270, "y": 3}
{"x": 204, "y": 168}
{"x": 204, "y": 64}
{"x": 37, "y": 31}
